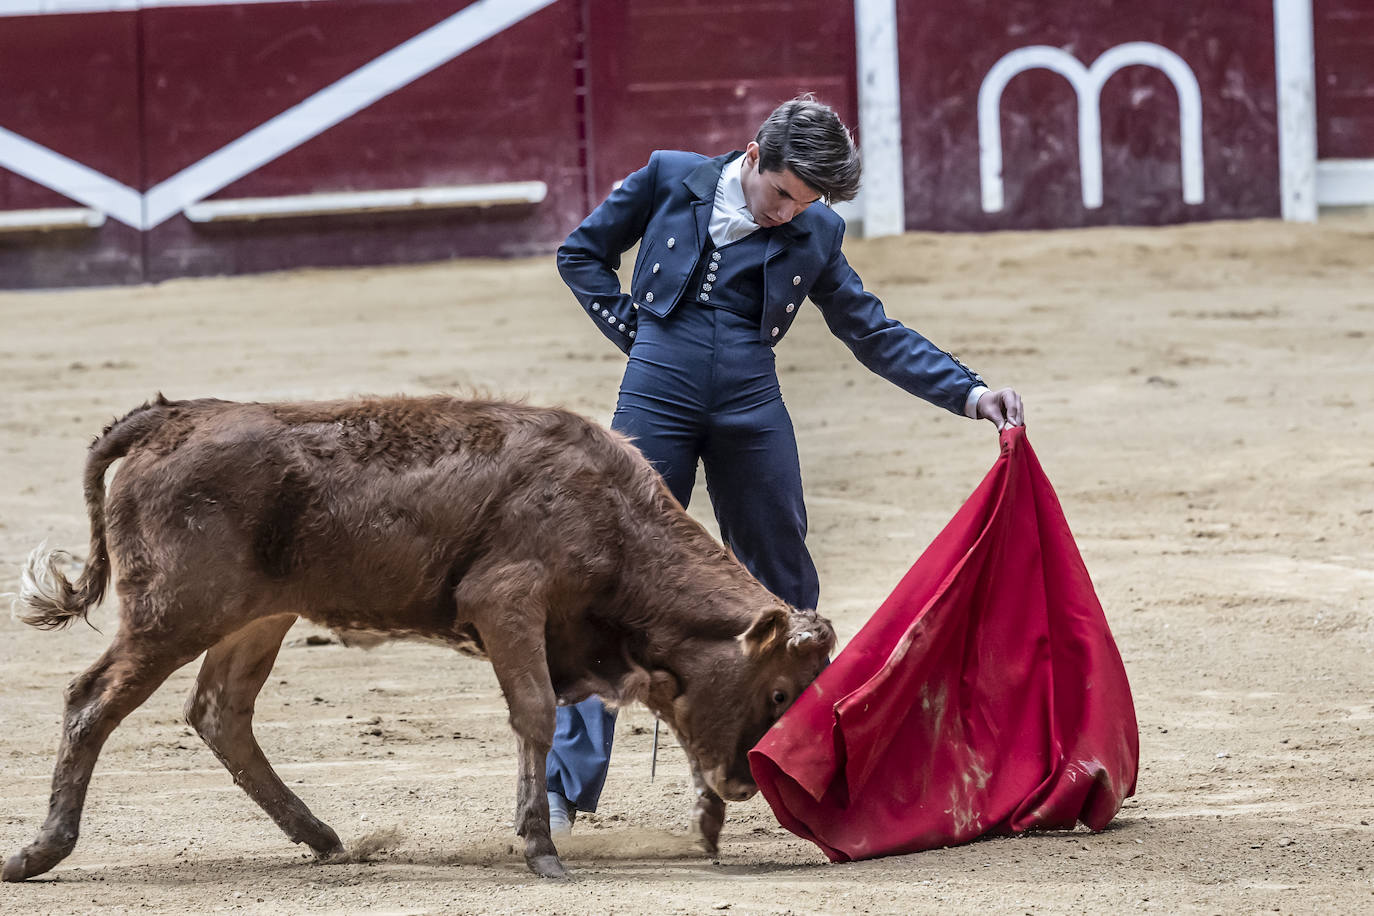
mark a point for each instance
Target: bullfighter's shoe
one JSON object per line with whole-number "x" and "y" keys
{"x": 561, "y": 815}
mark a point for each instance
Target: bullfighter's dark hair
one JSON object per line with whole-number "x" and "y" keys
{"x": 808, "y": 138}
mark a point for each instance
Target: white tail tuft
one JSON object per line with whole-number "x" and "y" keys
{"x": 46, "y": 597}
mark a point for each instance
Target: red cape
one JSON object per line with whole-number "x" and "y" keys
{"x": 985, "y": 696}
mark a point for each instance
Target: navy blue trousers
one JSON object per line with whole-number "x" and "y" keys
{"x": 701, "y": 386}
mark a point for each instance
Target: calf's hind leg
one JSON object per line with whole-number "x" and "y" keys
{"x": 220, "y": 708}
{"x": 96, "y": 702}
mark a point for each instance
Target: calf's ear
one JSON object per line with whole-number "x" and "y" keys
{"x": 664, "y": 688}
{"x": 767, "y": 632}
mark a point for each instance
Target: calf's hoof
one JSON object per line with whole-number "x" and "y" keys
{"x": 546, "y": 866}
{"x": 706, "y": 833}
{"x": 323, "y": 842}
{"x": 14, "y": 868}
{"x": 336, "y": 856}
{"x": 328, "y": 853}
{"x": 29, "y": 862}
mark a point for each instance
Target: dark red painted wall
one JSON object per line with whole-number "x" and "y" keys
{"x": 502, "y": 111}
{"x": 948, "y": 46}
{"x": 1344, "y": 38}
{"x": 71, "y": 84}
{"x": 702, "y": 75}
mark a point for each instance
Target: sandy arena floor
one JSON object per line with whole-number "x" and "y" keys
{"x": 1199, "y": 395}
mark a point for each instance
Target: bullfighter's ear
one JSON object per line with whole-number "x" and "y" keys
{"x": 767, "y": 632}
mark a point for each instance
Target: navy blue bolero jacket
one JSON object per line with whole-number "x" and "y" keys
{"x": 666, "y": 207}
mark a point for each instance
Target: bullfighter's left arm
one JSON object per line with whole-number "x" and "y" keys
{"x": 888, "y": 347}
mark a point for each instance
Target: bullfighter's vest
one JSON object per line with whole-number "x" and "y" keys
{"x": 731, "y": 277}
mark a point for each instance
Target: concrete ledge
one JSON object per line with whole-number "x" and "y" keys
{"x": 50, "y": 220}
{"x": 398, "y": 200}
{"x": 1345, "y": 182}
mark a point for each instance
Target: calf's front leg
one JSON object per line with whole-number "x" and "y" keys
{"x": 514, "y": 641}
{"x": 531, "y": 701}
{"x": 708, "y": 814}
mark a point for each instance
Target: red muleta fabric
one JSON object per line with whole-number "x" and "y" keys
{"x": 985, "y": 696}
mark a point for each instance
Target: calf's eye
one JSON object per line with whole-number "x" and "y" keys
{"x": 779, "y": 697}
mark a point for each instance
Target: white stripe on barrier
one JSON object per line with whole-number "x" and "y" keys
{"x": 880, "y": 118}
{"x": 1295, "y": 72}
{"x": 68, "y": 7}
{"x": 67, "y": 176}
{"x": 398, "y": 67}
{"x": 390, "y": 200}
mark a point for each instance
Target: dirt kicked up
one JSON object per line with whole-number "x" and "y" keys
{"x": 1198, "y": 395}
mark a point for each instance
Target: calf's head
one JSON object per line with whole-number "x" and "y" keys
{"x": 747, "y": 689}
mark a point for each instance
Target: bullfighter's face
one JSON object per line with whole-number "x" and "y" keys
{"x": 773, "y": 198}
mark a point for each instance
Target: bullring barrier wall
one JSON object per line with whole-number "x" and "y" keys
{"x": 148, "y": 139}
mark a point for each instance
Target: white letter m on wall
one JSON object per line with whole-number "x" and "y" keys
{"x": 1087, "y": 83}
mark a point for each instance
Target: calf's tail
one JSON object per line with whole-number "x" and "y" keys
{"x": 47, "y": 598}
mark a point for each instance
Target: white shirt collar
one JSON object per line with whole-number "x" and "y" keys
{"x": 730, "y": 216}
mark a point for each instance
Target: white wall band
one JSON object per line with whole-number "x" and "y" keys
{"x": 66, "y": 7}
{"x": 880, "y": 118}
{"x": 1295, "y": 71}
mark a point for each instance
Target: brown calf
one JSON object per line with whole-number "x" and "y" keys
{"x": 528, "y": 536}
